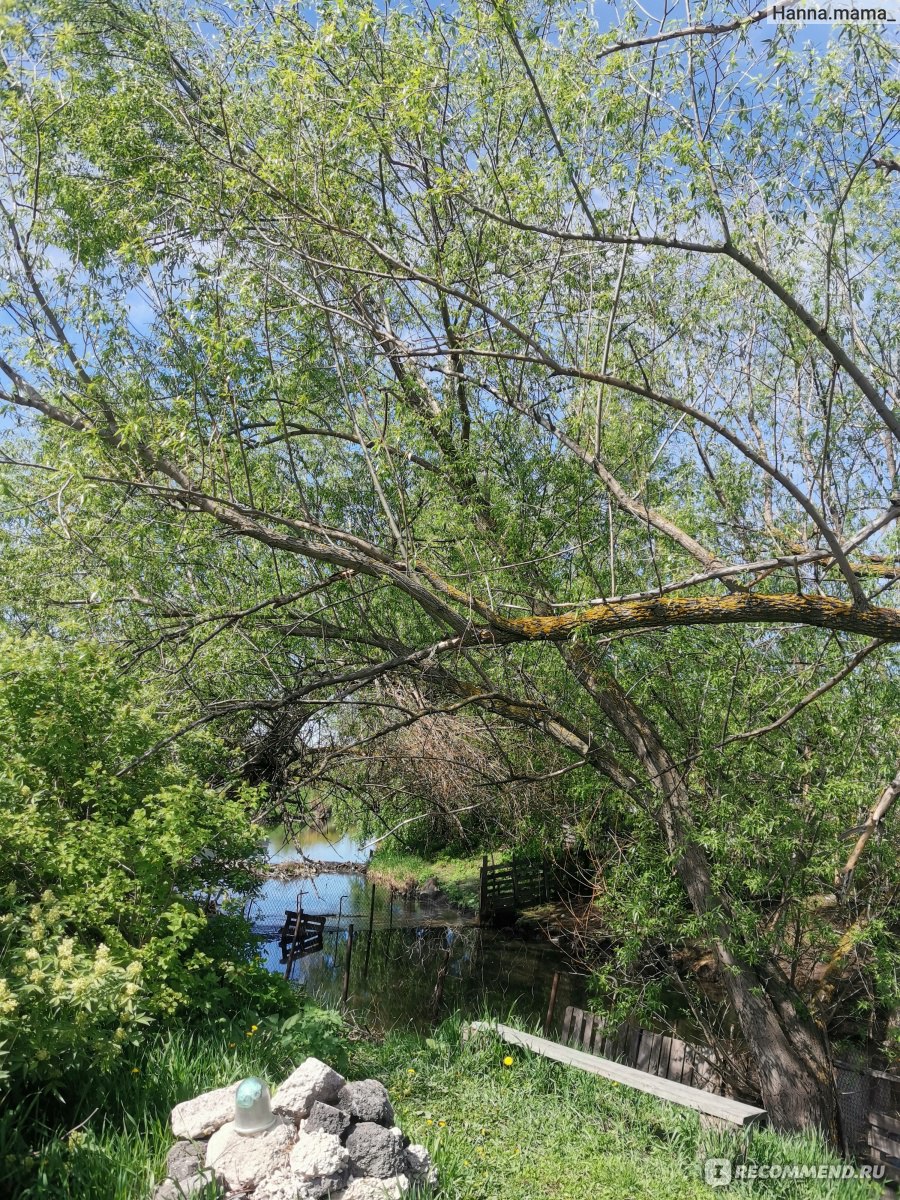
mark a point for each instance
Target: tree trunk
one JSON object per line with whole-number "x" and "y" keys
{"x": 789, "y": 1050}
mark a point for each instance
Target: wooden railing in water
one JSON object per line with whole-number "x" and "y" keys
{"x": 509, "y": 887}
{"x": 301, "y": 934}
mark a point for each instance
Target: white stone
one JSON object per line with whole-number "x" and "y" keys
{"x": 313, "y": 1080}
{"x": 421, "y": 1168}
{"x": 202, "y": 1116}
{"x": 367, "y": 1187}
{"x": 318, "y": 1154}
{"x": 244, "y": 1161}
{"x": 280, "y": 1185}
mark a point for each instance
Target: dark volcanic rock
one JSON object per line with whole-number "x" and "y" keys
{"x": 375, "y": 1150}
{"x": 325, "y": 1118}
{"x": 185, "y": 1159}
{"x": 366, "y": 1100}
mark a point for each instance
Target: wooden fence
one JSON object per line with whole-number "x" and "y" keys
{"x": 869, "y": 1100}
{"x": 656, "y": 1053}
{"x": 508, "y": 888}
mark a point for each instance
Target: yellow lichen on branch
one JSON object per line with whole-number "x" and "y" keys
{"x": 823, "y": 612}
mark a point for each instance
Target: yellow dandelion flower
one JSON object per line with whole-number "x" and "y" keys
{"x": 410, "y": 1071}
{"x": 135, "y": 1070}
{"x": 507, "y": 1062}
{"x": 429, "y": 1121}
{"x": 442, "y": 1123}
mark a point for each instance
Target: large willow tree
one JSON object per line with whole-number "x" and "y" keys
{"x": 373, "y": 364}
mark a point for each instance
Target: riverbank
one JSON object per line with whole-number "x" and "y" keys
{"x": 500, "y": 1123}
{"x": 457, "y": 879}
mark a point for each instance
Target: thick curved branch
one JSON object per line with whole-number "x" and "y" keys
{"x": 822, "y": 612}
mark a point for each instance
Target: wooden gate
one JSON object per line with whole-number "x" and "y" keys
{"x": 509, "y": 887}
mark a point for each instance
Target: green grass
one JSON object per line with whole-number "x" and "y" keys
{"x": 522, "y": 1131}
{"x": 458, "y": 878}
{"x": 109, "y": 1141}
{"x": 535, "y": 1129}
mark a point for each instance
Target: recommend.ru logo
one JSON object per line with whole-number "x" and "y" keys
{"x": 719, "y": 1172}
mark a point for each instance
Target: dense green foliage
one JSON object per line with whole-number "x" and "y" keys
{"x": 105, "y": 879}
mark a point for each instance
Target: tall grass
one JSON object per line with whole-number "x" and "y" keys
{"x": 533, "y": 1129}
{"x": 109, "y": 1140}
{"x": 518, "y": 1131}
{"x": 457, "y": 877}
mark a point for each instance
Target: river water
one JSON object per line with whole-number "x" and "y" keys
{"x": 414, "y": 945}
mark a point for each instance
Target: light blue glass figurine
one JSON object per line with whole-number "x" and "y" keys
{"x": 252, "y": 1107}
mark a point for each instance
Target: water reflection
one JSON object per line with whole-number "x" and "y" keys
{"x": 394, "y": 978}
{"x": 316, "y": 845}
{"x": 487, "y": 973}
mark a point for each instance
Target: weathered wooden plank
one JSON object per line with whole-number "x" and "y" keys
{"x": 649, "y": 1051}
{"x": 884, "y": 1144}
{"x": 665, "y": 1051}
{"x": 725, "y": 1109}
{"x": 644, "y": 1050}
{"x": 600, "y": 1027}
{"x": 696, "y": 1060}
{"x": 580, "y": 1019}
{"x": 587, "y": 1033}
{"x": 568, "y": 1018}
{"x": 621, "y": 1047}
{"x": 705, "y": 1074}
{"x": 577, "y": 1024}
{"x": 690, "y": 1065}
{"x": 634, "y": 1041}
{"x": 885, "y": 1122}
{"x": 890, "y": 1077}
{"x": 676, "y": 1060}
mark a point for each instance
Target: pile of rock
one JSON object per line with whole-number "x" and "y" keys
{"x": 330, "y": 1139}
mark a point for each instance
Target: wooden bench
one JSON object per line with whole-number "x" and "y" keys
{"x": 732, "y": 1112}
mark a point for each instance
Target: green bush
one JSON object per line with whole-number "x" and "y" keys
{"x": 108, "y": 877}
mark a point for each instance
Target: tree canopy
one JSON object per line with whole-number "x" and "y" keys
{"x": 490, "y": 367}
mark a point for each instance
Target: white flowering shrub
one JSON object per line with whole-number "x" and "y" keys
{"x": 63, "y": 1007}
{"x": 107, "y": 876}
